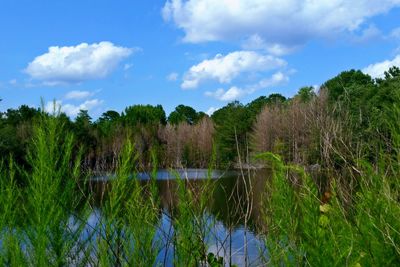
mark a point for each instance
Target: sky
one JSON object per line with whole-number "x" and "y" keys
{"x": 107, "y": 55}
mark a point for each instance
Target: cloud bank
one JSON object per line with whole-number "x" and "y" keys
{"x": 279, "y": 26}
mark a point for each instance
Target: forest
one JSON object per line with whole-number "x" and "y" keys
{"x": 332, "y": 196}
{"x": 348, "y": 117}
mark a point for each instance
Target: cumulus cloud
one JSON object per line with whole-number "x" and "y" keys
{"x": 377, "y": 70}
{"x": 70, "y": 109}
{"x": 72, "y": 64}
{"x": 173, "y": 76}
{"x": 235, "y": 93}
{"x": 277, "y": 78}
{"x": 78, "y": 95}
{"x": 225, "y": 68}
{"x": 211, "y": 110}
{"x": 231, "y": 94}
{"x": 286, "y": 23}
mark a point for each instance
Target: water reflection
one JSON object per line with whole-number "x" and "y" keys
{"x": 234, "y": 211}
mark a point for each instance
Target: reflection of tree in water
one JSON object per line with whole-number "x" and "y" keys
{"x": 234, "y": 216}
{"x": 232, "y": 205}
{"x": 229, "y": 203}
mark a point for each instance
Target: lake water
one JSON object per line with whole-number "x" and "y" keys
{"x": 235, "y": 211}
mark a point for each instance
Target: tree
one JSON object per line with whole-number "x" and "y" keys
{"x": 22, "y": 114}
{"x": 306, "y": 94}
{"x": 107, "y": 122}
{"x": 233, "y": 122}
{"x": 346, "y": 81}
{"x": 392, "y": 73}
{"x": 109, "y": 115}
{"x": 275, "y": 99}
{"x": 83, "y": 120}
{"x": 256, "y": 106}
{"x": 16, "y": 130}
{"x": 145, "y": 120}
{"x": 183, "y": 113}
{"x": 144, "y": 115}
{"x": 83, "y": 129}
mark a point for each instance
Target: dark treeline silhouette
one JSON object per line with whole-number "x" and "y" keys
{"x": 344, "y": 120}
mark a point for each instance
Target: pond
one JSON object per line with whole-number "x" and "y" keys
{"x": 234, "y": 213}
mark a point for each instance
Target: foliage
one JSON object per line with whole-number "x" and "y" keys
{"x": 232, "y": 126}
{"x": 144, "y": 115}
{"x": 304, "y": 231}
{"x": 306, "y": 94}
{"x": 183, "y": 113}
{"x": 38, "y": 239}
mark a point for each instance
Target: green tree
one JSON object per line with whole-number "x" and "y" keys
{"x": 84, "y": 131}
{"x": 16, "y": 131}
{"x": 233, "y": 122}
{"x": 23, "y": 114}
{"x": 305, "y": 94}
{"x": 183, "y": 113}
{"x": 108, "y": 122}
{"x": 109, "y": 115}
{"x": 360, "y": 103}
{"x": 144, "y": 115}
{"x": 339, "y": 86}
{"x": 275, "y": 98}
{"x": 256, "y": 106}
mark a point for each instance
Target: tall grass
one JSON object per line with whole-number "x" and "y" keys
{"x": 306, "y": 229}
{"x": 47, "y": 221}
{"x": 130, "y": 215}
{"x": 192, "y": 222}
{"x": 10, "y": 233}
{"x": 36, "y": 226}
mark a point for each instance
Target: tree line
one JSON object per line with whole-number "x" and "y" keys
{"x": 346, "y": 119}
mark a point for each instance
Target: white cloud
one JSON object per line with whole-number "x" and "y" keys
{"x": 289, "y": 22}
{"x": 277, "y": 78}
{"x": 225, "y": 68}
{"x": 231, "y": 94}
{"x": 173, "y": 76}
{"x": 235, "y": 93}
{"x": 211, "y": 110}
{"x": 71, "y": 64}
{"x": 377, "y": 70}
{"x": 78, "y": 94}
{"x": 70, "y": 109}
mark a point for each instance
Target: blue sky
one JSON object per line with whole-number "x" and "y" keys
{"x": 101, "y": 55}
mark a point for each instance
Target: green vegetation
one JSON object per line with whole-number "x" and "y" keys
{"x": 333, "y": 197}
{"x": 51, "y": 225}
